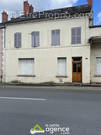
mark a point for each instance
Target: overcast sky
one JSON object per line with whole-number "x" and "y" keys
{"x": 12, "y": 6}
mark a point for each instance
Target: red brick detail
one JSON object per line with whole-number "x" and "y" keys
{"x": 4, "y": 17}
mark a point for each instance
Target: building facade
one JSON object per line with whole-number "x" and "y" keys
{"x": 50, "y": 49}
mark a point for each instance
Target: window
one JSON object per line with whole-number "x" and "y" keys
{"x": 62, "y": 66}
{"x": 74, "y": 67}
{"x": 76, "y": 35}
{"x": 98, "y": 66}
{"x": 17, "y": 40}
{"x": 35, "y": 39}
{"x": 26, "y": 66}
{"x": 55, "y": 37}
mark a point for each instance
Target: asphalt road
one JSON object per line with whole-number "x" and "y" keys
{"x": 22, "y": 108}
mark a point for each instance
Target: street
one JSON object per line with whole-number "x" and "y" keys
{"x": 22, "y": 108}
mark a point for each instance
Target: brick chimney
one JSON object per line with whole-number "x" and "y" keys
{"x": 4, "y": 16}
{"x": 27, "y": 8}
{"x": 90, "y": 2}
{"x": 31, "y": 9}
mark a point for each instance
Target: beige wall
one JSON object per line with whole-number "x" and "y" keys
{"x": 1, "y": 45}
{"x": 93, "y": 32}
{"x": 46, "y": 56}
{"x": 95, "y": 52}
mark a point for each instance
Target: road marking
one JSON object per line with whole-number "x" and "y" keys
{"x": 18, "y": 98}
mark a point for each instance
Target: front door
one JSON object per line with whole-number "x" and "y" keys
{"x": 77, "y": 71}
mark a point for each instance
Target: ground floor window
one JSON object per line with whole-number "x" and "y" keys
{"x": 62, "y": 66}
{"x": 98, "y": 66}
{"x": 26, "y": 66}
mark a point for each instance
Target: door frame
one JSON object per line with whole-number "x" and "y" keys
{"x": 77, "y": 62}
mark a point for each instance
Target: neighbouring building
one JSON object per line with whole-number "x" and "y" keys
{"x": 60, "y": 46}
{"x": 1, "y": 37}
{"x": 4, "y": 19}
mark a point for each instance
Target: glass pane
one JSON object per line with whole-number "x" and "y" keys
{"x": 74, "y": 67}
{"x": 79, "y": 67}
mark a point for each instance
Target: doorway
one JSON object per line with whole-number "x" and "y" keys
{"x": 77, "y": 69}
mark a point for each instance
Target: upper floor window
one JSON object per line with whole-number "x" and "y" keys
{"x": 55, "y": 37}
{"x": 35, "y": 39}
{"x": 17, "y": 40}
{"x": 76, "y": 35}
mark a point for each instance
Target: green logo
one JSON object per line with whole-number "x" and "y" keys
{"x": 36, "y": 129}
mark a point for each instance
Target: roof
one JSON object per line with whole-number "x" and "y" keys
{"x": 53, "y": 14}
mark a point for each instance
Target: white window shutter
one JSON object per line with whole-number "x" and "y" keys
{"x": 98, "y": 66}
{"x": 62, "y": 66}
{"x": 26, "y": 66}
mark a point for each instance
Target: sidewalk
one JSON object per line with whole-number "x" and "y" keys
{"x": 51, "y": 84}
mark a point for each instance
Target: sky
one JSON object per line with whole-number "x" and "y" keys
{"x": 13, "y": 7}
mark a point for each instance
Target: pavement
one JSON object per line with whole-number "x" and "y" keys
{"x": 50, "y": 84}
{"x": 78, "y": 108}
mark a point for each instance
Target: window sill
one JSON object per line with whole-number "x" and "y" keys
{"x": 35, "y": 46}
{"x": 97, "y": 75}
{"x": 76, "y": 45}
{"x": 26, "y": 75}
{"x": 61, "y": 76}
{"x": 55, "y": 45}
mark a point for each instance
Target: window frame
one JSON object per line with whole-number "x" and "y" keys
{"x": 58, "y": 74}
{"x": 54, "y": 39}
{"x": 33, "y": 39}
{"x": 26, "y": 75}
{"x": 97, "y": 74}
{"x": 16, "y": 40}
{"x": 76, "y": 36}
